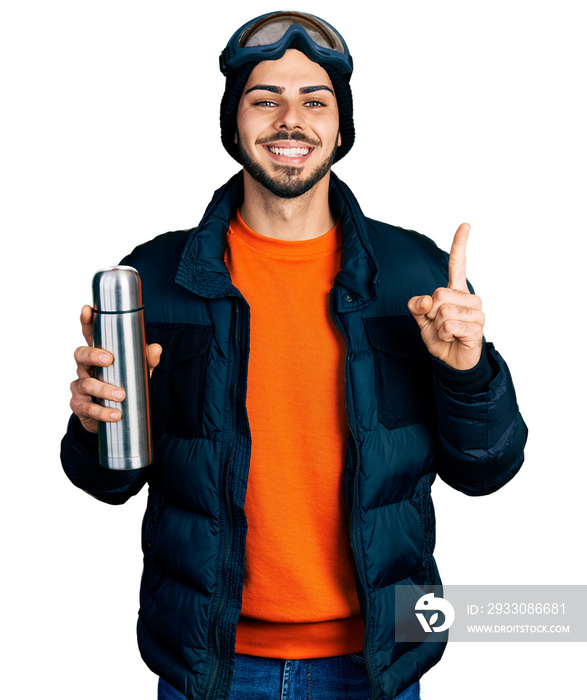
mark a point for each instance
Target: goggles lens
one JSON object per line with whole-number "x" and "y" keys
{"x": 272, "y": 29}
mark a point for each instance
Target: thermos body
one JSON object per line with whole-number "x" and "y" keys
{"x": 119, "y": 328}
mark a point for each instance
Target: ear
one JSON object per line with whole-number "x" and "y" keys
{"x": 339, "y": 140}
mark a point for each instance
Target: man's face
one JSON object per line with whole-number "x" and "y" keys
{"x": 288, "y": 124}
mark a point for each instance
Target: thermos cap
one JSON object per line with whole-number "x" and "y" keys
{"x": 117, "y": 289}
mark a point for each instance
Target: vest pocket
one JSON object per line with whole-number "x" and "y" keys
{"x": 177, "y": 383}
{"x": 402, "y": 370}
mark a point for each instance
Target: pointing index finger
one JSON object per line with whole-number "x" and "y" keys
{"x": 457, "y": 261}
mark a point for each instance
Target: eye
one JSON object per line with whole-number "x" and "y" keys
{"x": 264, "y": 103}
{"x": 314, "y": 103}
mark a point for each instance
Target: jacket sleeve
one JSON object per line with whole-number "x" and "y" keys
{"x": 481, "y": 436}
{"x": 79, "y": 457}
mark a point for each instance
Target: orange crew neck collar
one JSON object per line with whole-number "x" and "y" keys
{"x": 276, "y": 247}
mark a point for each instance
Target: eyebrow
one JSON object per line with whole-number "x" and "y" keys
{"x": 315, "y": 88}
{"x": 280, "y": 90}
{"x": 267, "y": 88}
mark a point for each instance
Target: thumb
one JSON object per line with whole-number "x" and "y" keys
{"x": 87, "y": 320}
{"x": 419, "y": 307}
{"x": 153, "y": 355}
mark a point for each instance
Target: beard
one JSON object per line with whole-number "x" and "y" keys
{"x": 288, "y": 182}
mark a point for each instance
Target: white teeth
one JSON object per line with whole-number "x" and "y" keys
{"x": 289, "y": 152}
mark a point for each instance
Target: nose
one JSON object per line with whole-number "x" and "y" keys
{"x": 290, "y": 116}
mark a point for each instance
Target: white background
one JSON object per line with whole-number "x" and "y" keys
{"x": 465, "y": 111}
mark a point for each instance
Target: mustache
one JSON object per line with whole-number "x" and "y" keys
{"x": 287, "y": 136}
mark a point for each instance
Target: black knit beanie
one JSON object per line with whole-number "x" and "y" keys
{"x": 236, "y": 81}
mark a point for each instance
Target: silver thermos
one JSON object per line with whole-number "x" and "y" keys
{"x": 119, "y": 328}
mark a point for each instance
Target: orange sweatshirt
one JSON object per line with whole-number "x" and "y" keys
{"x": 299, "y": 598}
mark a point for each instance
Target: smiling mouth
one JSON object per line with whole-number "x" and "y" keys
{"x": 296, "y": 152}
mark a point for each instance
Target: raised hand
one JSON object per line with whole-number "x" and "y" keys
{"x": 85, "y": 388}
{"x": 451, "y": 320}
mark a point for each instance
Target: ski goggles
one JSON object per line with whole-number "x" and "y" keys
{"x": 267, "y": 37}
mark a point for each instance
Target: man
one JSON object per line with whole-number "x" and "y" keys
{"x": 312, "y": 370}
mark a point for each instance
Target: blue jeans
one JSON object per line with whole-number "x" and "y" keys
{"x": 333, "y": 678}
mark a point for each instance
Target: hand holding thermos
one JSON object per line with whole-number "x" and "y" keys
{"x": 110, "y": 396}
